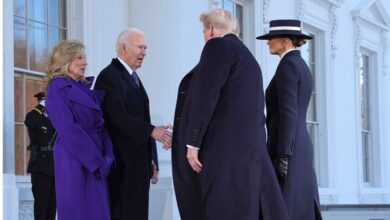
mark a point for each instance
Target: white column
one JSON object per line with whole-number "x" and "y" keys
{"x": 8, "y": 89}
{"x": 11, "y": 198}
{"x": 10, "y": 191}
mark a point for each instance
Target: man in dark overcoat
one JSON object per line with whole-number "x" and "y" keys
{"x": 41, "y": 165}
{"x": 221, "y": 133}
{"x": 126, "y": 110}
{"x": 188, "y": 198}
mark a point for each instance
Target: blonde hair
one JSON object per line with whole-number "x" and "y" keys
{"x": 60, "y": 58}
{"x": 221, "y": 19}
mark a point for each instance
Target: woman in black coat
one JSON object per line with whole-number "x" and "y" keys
{"x": 287, "y": 99}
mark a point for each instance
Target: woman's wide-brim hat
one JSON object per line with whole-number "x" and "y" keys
{"x": 284, "y": 28}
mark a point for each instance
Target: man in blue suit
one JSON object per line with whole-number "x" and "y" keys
{"x": 126, "y": 110}
{"x": 221, "y": 167}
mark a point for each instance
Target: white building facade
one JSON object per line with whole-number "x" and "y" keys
{"x": 349, "y": 57}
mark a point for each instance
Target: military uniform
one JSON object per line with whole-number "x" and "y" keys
{"x": 41, "y": 165}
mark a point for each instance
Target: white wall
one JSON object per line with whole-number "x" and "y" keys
{"x": 175, "y": 41}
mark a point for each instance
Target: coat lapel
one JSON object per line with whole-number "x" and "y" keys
{"x": 126, "y": 77}
{"x": 75, "y": 94}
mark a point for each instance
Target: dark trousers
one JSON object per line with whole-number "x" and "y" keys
{"x": 43, "y": 190}
{"x": 129, "y": 184}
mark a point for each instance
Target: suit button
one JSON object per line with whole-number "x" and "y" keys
{"x": 177, "y": 118}
{"x": 182, "y": 93}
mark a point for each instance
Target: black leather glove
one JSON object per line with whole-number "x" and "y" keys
{"x": 281, "y": 167}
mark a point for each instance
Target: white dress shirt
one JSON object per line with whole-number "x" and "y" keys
{"x": 287, "y": 52}
{"x": 126, "y": 66}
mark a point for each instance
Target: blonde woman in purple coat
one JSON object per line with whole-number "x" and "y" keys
{"x": 83, "y": 153}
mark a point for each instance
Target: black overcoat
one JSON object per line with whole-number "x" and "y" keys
{"x": 40, "y": 131}
{"x": 186, "y": 182}
{"x": 287, "y": 99}
{"x": 41, "y": 163}
{"x": 224, "y": 117}
{"x": 126, "y": 111}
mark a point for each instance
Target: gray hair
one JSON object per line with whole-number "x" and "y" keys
{"x": 124, "y": 36}
{"x": 221, "y": 19}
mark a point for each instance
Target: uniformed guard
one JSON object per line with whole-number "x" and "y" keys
{"x": 41, "y": 164}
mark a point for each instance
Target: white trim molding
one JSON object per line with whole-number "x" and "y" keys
{"x": 332, "y": 20}
{"x": 373, "y": 196}
{"x": 381, "y": 22}
{"x": 385, "y": 45}
{"x": 215, "y": 4}
{"x": 332, "y": 11}
{"x": 301, "y": 12}
{"x": 336, "y": 3}
{"x": 26, "y": 210}
{"x": 329, "y": 196}
{"x": 266, "y": 14}
{"x": 358, "y": 39}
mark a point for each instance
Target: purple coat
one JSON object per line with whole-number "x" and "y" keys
{"x": 81, "y": 143}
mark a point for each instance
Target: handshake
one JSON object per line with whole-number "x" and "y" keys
{"x": 163, "y": 134}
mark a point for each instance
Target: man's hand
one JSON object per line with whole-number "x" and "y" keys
{"x": 192, "y": 156}
{"x": 281, "y": 168}
{"x": 163, "y": 135}
{"x": 154, "y": 177}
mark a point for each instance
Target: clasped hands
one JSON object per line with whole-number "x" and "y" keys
{"x": 163, "y": 134}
